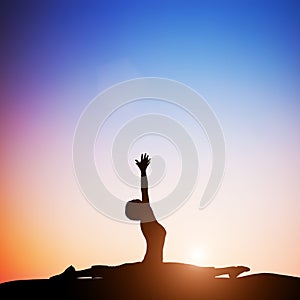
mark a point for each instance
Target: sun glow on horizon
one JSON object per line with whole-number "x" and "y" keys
{"x": 196, "y": 256}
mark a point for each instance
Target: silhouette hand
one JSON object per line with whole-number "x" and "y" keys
{"x": 144, "y": 163}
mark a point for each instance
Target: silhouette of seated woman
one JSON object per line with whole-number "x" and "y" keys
{"x": 154, "y": 234}
{"x": 140, "y": 210}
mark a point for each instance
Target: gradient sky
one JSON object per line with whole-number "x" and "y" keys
{"x": 242, "y": 56}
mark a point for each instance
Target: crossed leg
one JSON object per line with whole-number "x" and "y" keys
{"x": 233, "y": 272}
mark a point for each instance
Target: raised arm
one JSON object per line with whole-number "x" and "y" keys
{"x": 143, "y": 164}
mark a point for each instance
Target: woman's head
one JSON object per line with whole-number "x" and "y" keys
{"x": 133, "y": 210}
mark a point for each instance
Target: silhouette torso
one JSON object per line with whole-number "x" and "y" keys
{"x": 154, "y": 234}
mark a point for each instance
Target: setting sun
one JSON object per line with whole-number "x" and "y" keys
{"x": 196, "y": 256}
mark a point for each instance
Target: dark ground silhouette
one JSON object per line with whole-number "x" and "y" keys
{"x": 171, "y": 283}
{"x": 152, "y": 278}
